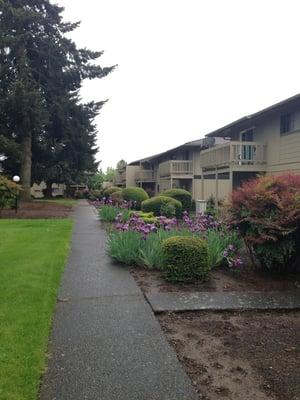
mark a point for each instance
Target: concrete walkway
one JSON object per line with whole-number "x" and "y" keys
{"x": 224, "y": 301}
{"x": 106, "y": 343}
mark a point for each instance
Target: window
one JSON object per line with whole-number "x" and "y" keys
{"x": 287, "y": 123}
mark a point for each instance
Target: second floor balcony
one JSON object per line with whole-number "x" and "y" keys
{"x": 234, "y": 153}
{"x": 145, "y": 175}
{"x": 176, "y": 168}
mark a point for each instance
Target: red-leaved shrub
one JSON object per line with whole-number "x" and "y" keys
{"x": 266, "y": 210}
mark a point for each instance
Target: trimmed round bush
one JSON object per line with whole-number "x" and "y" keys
{"x": 135, "y": 194}
{"x": 185, "y": 259}
{"x": 117, "y": 197}
{"x": 108, "y": 192}
{"x": 181, "y": 195}
{"x": 155, "y": 203}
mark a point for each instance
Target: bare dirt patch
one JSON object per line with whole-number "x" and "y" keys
{"x": 221, "y": 280}
{"x": 238, "y": 356}
{"x": 38, "y": 210}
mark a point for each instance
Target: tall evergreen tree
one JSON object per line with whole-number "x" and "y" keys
{"x": 41, "y": 71}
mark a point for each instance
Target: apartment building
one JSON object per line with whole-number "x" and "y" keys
{"x": 266, "y": 142}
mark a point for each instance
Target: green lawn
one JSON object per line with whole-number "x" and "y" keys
{"x": 62, "y": 201}
{"x": 32, "y": 258}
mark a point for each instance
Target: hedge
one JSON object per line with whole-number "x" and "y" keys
{"x": 185, "y": 259}
{"x": 154, "y": 205}
{"x": 181, "y": 195}
{"x": 108, "y": 192}
{"x": 135, "y": 194}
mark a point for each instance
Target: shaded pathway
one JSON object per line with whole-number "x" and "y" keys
{"x": 106, "y": 343}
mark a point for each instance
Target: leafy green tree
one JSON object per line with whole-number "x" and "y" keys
{"x": 110, "y": 174}
{"x": 41, "y": 71}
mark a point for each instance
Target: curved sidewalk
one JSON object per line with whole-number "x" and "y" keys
{"x": 106, "y": 343}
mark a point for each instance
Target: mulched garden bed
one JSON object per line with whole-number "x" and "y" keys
{"x": 38, "y": 210}
{"x": 238, "y": 356}
{"x": 222, "y": 279}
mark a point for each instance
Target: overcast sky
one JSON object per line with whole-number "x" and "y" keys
{"x": 185, "y": 67}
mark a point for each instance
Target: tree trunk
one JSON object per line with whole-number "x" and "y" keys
{"x": 26, "y": 167}
{"x": 48, "y": 191}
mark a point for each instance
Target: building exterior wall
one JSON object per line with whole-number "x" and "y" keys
{"x": 130, "y": 174}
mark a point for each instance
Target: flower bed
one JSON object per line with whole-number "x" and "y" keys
{"x": 136, "y": 238}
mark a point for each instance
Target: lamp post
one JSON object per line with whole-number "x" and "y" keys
{"x": 16, "y": 179}
{"x": 2, "y": 158}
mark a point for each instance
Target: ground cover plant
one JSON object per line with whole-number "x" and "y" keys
{"x": 33, "y": 255}
{"x": 266, "y": 210}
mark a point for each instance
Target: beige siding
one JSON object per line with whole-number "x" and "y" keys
{"x": 130, "y": 174}
{"x": 283, "y": 152}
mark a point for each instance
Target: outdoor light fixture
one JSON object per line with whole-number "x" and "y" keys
{"x": 16, "y": 178}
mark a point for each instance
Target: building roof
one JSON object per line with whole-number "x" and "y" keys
{"x": 193, "y": 143}
{"x": 224, "y": 131}
{"x": 220, "y": 133}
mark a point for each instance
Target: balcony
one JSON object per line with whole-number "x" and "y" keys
{"x": 145, "y": 175}
{"x": 236, "y": 154}
{"x": 176, "y": 169}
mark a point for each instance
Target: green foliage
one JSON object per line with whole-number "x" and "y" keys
{"x": 151, "y": 253}
{"x": 181, "y": 195}
{"x": 95, "y": 181}
{"x": 154, "y": 205}
{"x": 130, "y": 249}
{"x": 124, "y": 247}
{"x": 168, "y": 210}
{"x": 211, "y": 208}
{"x": 108, "y": 213}
{"x": 266, "y": 210}
{"x": 218, "y": 241}
{"x": 117, "y": 196}
{"x": 185, "y": 259}
{"x": 40, "y": 85}
{"x": 135, "y": 194}
{"x": 8, "y": 192}
{"x": 110, "y": 174}
{"x": 109, "y": 191}
{"x": 79, "y": 194}
{"x": 148, "y": 217}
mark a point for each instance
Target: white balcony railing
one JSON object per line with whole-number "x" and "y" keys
{"x": 238, "y": 153}
{"x": 145, "y": 175}
{"x": 175, "y": 168}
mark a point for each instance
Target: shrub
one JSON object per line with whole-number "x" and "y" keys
{"x": 108, "y": 213}
{"x": 181, "y": 195}
{"x": 185, "y": 259}
{"x": 108, "y": 192}
{"x": 117, "y": 197}
{"x": 136, "y": 195}
{"x": 266, "y": 211}
{"x": 154, "y": 205}
{"x": 8, "y": 192}
{"x": 167, "y": 210}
